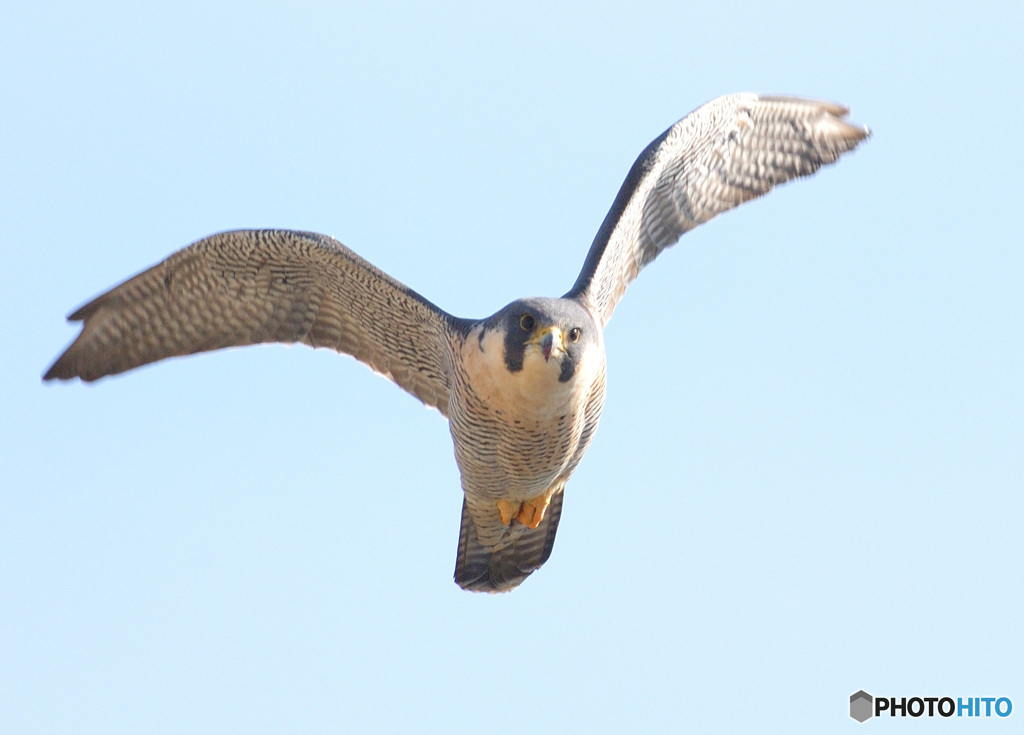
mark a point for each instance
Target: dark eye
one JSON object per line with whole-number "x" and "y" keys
{"x": 526, "y": 322}
{"x": 574, "y": 334}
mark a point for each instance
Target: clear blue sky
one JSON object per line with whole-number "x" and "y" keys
{"x": 807, "y": 479}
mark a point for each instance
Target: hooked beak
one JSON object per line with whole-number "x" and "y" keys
{"x": 550, "y": 340}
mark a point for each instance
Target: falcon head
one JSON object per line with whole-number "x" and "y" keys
{"x": 542, "y": 336}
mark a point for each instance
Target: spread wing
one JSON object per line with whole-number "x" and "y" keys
{"x": 252, "y": 286}
{"x": 727, "y": 152}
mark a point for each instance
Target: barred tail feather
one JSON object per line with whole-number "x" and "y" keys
{"x": 479, "y": 569}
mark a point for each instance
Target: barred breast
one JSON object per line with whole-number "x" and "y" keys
{"x": 516, "y": 434}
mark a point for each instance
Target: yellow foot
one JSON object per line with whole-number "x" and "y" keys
{"x": 530, "y": 513}
{"x": 508, "y": 510}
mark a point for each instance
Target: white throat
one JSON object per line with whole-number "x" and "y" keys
{"x": 534, "y": 392}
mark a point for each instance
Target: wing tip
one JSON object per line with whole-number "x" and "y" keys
{"x": 78, "y": 361}
{"x": 851, "y": 131}
{"x": 66, "y": 367}
{"x": 834, "y": 111}
{"x": 56, "y": 372}
{"x": 62, "y": 368}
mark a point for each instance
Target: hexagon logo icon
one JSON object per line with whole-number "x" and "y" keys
{"x": 861, "y": 705}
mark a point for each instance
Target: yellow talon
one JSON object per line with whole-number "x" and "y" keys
{"x": 508, "y": 510}
{"x": 532, "y": 511}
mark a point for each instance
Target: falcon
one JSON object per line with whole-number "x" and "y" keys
{"x": 523, "y": 388}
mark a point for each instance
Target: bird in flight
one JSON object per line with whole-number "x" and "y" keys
{"x": 523, "y": 388}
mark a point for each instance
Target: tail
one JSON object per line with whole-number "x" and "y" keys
{"x": 523, "y": 551}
